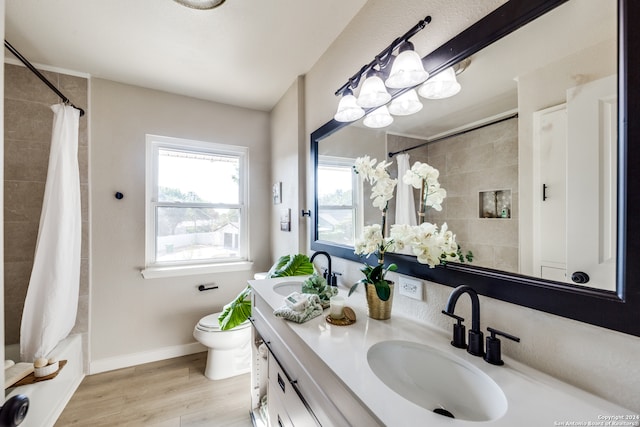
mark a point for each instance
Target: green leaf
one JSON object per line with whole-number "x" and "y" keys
{"x": 376, "y": 273}
{"x": 318, "y": 285}
{"x": 383, "y": 290}
{"x": 287, "y": 265}
{"x": 353, "y": 288}
{"x": 469, "y": 256}
{"x": 237, "y": 311}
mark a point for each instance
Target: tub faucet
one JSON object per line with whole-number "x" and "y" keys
{"x": 327, "y": 274}
{"x": 476, "y": 346}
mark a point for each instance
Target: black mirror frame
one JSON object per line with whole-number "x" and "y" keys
{"x": 619, "y": 310}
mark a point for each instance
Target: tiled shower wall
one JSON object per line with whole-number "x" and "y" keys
{"x": 28, "y": 121}
{"x": 478, "y": 161}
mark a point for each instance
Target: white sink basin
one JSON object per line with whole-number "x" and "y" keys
{"x": 437, "y": 381}
{"x": 286, "y": 288}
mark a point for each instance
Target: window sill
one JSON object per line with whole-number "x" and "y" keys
{"x": 189, "y": 270}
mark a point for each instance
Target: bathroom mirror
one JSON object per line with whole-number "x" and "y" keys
{"x": 609, "y": 306}
{"x": 493, "y": 144}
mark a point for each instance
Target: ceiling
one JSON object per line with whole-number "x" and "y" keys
{"x": 244, "y": 53}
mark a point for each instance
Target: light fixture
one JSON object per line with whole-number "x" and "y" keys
{"x": 407, "y": 69}
{"x": 406, "y": 104}
{"x": 201, "y": 4}
{"x": 348, "y": 109}
{"x": 442, "y": 85}
{"x": 373, "y": 93}
{"x": 378, "y": 118}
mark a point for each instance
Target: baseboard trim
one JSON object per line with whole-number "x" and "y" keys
{"x": 133, "y": 359}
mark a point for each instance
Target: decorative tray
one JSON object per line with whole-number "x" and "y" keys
{"x": 348, "y": 319}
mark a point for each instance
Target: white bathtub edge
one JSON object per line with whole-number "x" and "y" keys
{"x": 47, "y": 399}
{"x": 57, "y": 411}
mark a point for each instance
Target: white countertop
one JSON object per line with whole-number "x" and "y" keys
{"x": 534, "y": 398}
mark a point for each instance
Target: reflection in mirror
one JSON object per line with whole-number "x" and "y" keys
{"x": 533, "y": 194}
{"x": 338, "y": 195}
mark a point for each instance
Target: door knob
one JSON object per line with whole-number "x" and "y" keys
{"x": 580, "y": 277}
{"x": 14, "y": 411}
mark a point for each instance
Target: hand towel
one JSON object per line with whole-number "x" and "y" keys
{"x": 312, "y": 310}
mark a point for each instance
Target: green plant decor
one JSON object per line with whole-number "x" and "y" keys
{"x": 291, "y": 265}
{"x": 376, "y": 276}
{"x": 239, "y": 310}
{"x": 318, "y": 285}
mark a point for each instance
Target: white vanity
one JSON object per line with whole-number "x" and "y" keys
{"x": 321, "y": 374}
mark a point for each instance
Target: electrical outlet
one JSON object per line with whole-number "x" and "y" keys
{"x": 411, "y": 288}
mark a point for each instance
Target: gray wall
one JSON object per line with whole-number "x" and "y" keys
{"x": 136, "y": 320}
{"x": 287, "y": 168}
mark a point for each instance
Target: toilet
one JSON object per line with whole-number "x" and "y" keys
{"x": 229, "y": 351}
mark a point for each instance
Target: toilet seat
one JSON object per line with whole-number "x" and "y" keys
{"x": 210, "y": 323}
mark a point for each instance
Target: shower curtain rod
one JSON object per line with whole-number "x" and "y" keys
{"x": 513, "y": 116}
{"x": 40, "y": 76}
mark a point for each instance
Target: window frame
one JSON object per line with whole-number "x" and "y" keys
{"x": 153, "y": 268}
{"x": 356, "y": 206}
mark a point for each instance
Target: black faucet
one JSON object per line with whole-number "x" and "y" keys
{"x": 328, "y": 275}
{"x": 476, "y": 346}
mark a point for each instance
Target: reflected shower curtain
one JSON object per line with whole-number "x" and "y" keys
{"x": 51, "y": 304}
{"x": 405, "y": 204}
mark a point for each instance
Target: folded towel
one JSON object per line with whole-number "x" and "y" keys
{"x": 313, "y": 309}
{"x": 15, "y": 373}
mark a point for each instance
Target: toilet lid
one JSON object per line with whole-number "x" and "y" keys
{"x": 210, "y": 323}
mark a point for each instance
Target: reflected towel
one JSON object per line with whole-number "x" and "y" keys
{"x": 313, "y": 309}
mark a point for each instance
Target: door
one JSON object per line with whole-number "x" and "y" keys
{"x": 550, "y": 193}
{"x": 575, "y": 166}
{"x": 592, "y": 181}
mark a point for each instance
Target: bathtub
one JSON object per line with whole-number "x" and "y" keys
{"x": 48, "y": 398}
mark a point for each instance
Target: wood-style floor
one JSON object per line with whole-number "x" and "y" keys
{"x": 169, "y": 393}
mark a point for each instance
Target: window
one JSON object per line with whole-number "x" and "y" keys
{"x": 196, "y": 203}
{"x": 337, "y": 200}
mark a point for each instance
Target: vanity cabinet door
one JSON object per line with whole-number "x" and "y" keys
{"x": 277, "y": 413}
{"x": 284, "y": 392}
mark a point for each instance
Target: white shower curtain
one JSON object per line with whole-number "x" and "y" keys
{"x": 405, "y": 204}
{"x": 52, "y": 298}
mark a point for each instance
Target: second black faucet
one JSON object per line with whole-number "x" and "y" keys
{"x": 328, "y": 274}
{"x": 476, "y": 344}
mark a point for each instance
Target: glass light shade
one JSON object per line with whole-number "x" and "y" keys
{"x": 348, "y": 109}
{"x": 378, "y": 118}
{"x": 373, "y": 93}
{"x": 406, "y": 71}
{"x": 200, "y": 4}
{"x": 406, "y": 104}
{"x": 442, "y": 85}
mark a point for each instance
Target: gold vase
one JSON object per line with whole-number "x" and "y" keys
{"x": 376, "y": 308}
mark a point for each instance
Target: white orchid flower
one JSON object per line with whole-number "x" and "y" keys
{"x": 435, "y": 197}
{"x": 364, "y": 166}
